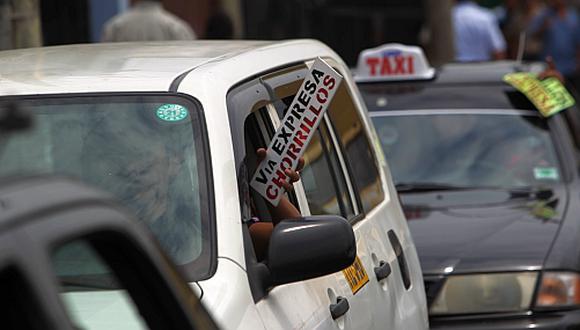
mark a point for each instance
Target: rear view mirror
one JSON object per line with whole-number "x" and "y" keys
{"x": 310, "y": 247}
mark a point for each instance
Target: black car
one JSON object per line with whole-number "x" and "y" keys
{"x": 66, "y": 250}
{"x": 491, "y": 190}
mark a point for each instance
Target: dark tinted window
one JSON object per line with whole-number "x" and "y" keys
{"x": 19, "y": 309}
{"x": 379, "y": 97}
{"x": 357, "y": 148}
{"x": 322, "y": 177}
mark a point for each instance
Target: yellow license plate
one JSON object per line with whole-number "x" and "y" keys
{"x": 356, "y": 275}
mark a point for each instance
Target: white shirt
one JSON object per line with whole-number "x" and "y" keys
{"x": 477, "y": 33}
{"x": 146, "y": 21}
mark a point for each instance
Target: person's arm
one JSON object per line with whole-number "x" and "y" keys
{"x": 285, "y": 209}
{"x": 261, "y": 231}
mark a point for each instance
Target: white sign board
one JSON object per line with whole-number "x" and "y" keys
{"x": 297, "y": 129}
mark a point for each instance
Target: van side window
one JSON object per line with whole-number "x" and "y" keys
{"x": 323, "y": 179}
{"x": 356, "y": 149}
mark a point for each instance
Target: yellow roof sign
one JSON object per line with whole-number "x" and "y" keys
{"x": 548, "y": 95}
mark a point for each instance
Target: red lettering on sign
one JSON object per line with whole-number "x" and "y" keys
{"x": 271, "y": 192}
{"x": 280, "y": 179}
{"x": 322, "y": 96}
{"x": 386, "y": 69}
{"x": 399, "y": 65}
{"x": 373, "y": 62}
{"x": 391, "y": 65}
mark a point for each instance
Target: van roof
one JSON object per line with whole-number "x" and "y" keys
{"x": 149, "y": 66}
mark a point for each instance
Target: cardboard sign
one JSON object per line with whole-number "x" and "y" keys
{"x": 296, "y": 131}
{"x": 356, "y": 275}
{"x": 549, "y": 95}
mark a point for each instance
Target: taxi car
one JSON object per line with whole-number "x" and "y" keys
{"x": 62, "y": 242}
{"x": 488, "y": 185}
{"x": 172, "y": 130}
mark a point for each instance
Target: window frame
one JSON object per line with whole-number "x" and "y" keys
{"x": 347, "y": 164}
{"x": 241, "y": 100}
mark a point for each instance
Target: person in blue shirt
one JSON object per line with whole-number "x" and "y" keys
{"x": 477, "y": 33}
{"x": 559, "y": 27}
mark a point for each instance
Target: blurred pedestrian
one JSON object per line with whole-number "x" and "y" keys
{"x": 515, "y": 16}
{"x": 559, "y": 27}
{"x": 477, "y": 33}
{"x": 146, "y": 21}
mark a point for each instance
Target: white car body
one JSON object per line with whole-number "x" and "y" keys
{"x": 208, "y": 72}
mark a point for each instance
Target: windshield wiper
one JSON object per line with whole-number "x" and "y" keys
{"x": 428, "y": 186}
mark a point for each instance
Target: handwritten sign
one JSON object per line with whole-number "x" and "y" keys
{"x": 548, "y": 95}
{"x": 297, "y": 129}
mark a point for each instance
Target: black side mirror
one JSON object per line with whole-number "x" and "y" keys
{"x": 310, "y": 247}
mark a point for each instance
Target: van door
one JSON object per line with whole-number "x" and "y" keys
{"x": 254, "y": 108}
{"x": 343, "y": 299}
{"x": 398, "y": 296}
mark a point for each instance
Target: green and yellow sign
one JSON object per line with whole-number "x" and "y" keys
{"x": 548, "y": 95}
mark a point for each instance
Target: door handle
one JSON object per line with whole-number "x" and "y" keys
{"x": 340, "y": 308}
{"x": 382, "y": 271}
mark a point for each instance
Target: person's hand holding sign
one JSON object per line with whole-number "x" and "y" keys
{"x": 260, "y": 231}
{"x": 294, "y": 175}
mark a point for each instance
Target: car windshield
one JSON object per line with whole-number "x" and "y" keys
{"x": 454, "y": 148}
{"x": 146, "y": 150}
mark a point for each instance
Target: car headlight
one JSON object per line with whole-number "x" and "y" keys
{"x": 485, "y": 293}
{"x": 559, "y": 289}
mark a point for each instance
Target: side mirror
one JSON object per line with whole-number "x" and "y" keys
{"x": 310, "y": 247}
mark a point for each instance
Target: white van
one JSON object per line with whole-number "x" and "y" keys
{"x": 172, "y": 130}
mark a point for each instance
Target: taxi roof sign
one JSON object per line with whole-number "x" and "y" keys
{"x": 393, "y": 62}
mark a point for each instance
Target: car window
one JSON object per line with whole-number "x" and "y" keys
{"x": 148, "y": 151}
{"x": 468, "y": 149}
{"x": 323, "y": 177}
{"x": 357, "y": 150}
{"x": 325, "y": 186}
{"x": 91, "y": 292}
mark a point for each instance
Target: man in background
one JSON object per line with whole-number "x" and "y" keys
{"x": 146, "y": 21}
{"x": 559, "y": 28}
{"x": 477, "y": 33}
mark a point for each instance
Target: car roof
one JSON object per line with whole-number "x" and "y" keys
{"x": 483, "y": 72}
{"x": 457, "y": 86}
{"x": 143, "y": 66}
{"x": 471, "y": 73}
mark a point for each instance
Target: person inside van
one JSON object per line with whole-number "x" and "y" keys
{"x": 260, "y": 231}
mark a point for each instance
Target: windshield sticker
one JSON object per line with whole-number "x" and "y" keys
{"x": 548, "y": 95}
{"x": 546, "y": 173}
{"x": 297, "y": 129}
{"x": 172, "y": 112}
{"x": 356, "y": 275}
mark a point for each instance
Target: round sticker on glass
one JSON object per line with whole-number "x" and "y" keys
{"x": 172, "y": 112}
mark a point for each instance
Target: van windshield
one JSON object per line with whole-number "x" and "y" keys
{"x": 146, "y": 150}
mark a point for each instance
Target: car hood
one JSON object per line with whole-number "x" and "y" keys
{"x": 483, "y": 230}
